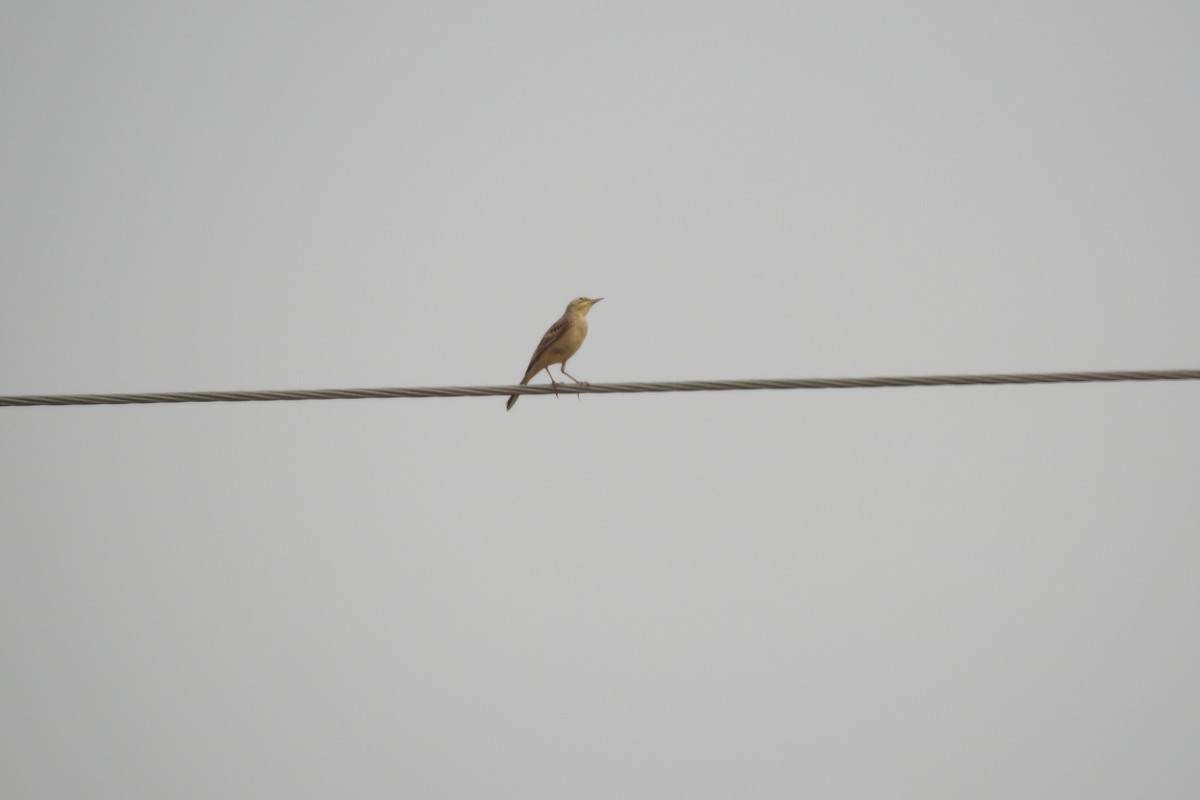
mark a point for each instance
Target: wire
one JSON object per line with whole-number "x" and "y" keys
{"x": 600, "y": 388}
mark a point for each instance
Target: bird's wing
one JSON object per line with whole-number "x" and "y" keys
{"x": 552, "y": 335}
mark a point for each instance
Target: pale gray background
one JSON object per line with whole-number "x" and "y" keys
{"x": 979, "y": 592}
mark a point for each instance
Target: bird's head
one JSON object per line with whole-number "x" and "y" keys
{"x": 581, "y": 305}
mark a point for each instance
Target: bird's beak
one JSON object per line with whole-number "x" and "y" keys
{"x": 597, "y": 300}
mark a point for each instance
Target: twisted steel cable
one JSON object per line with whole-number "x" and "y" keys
{"x": 600, "y": 388}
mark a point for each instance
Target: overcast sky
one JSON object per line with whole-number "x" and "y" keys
{"x": 925, "y": 593}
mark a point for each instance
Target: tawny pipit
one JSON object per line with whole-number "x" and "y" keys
{"x": 560, "y": 343}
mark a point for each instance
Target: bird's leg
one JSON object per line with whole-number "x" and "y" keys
{"x": 572, "y": 377}
{"x": 553, "y": 385}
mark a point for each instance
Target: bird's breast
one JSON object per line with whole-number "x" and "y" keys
{"x": 571, "y": 339}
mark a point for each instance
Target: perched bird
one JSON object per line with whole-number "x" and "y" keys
{"x": 560, "y": 343}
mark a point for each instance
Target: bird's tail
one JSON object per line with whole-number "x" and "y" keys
{"x": 512, "y": 399}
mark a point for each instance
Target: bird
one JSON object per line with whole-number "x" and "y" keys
{"x": 560, "y": 343}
